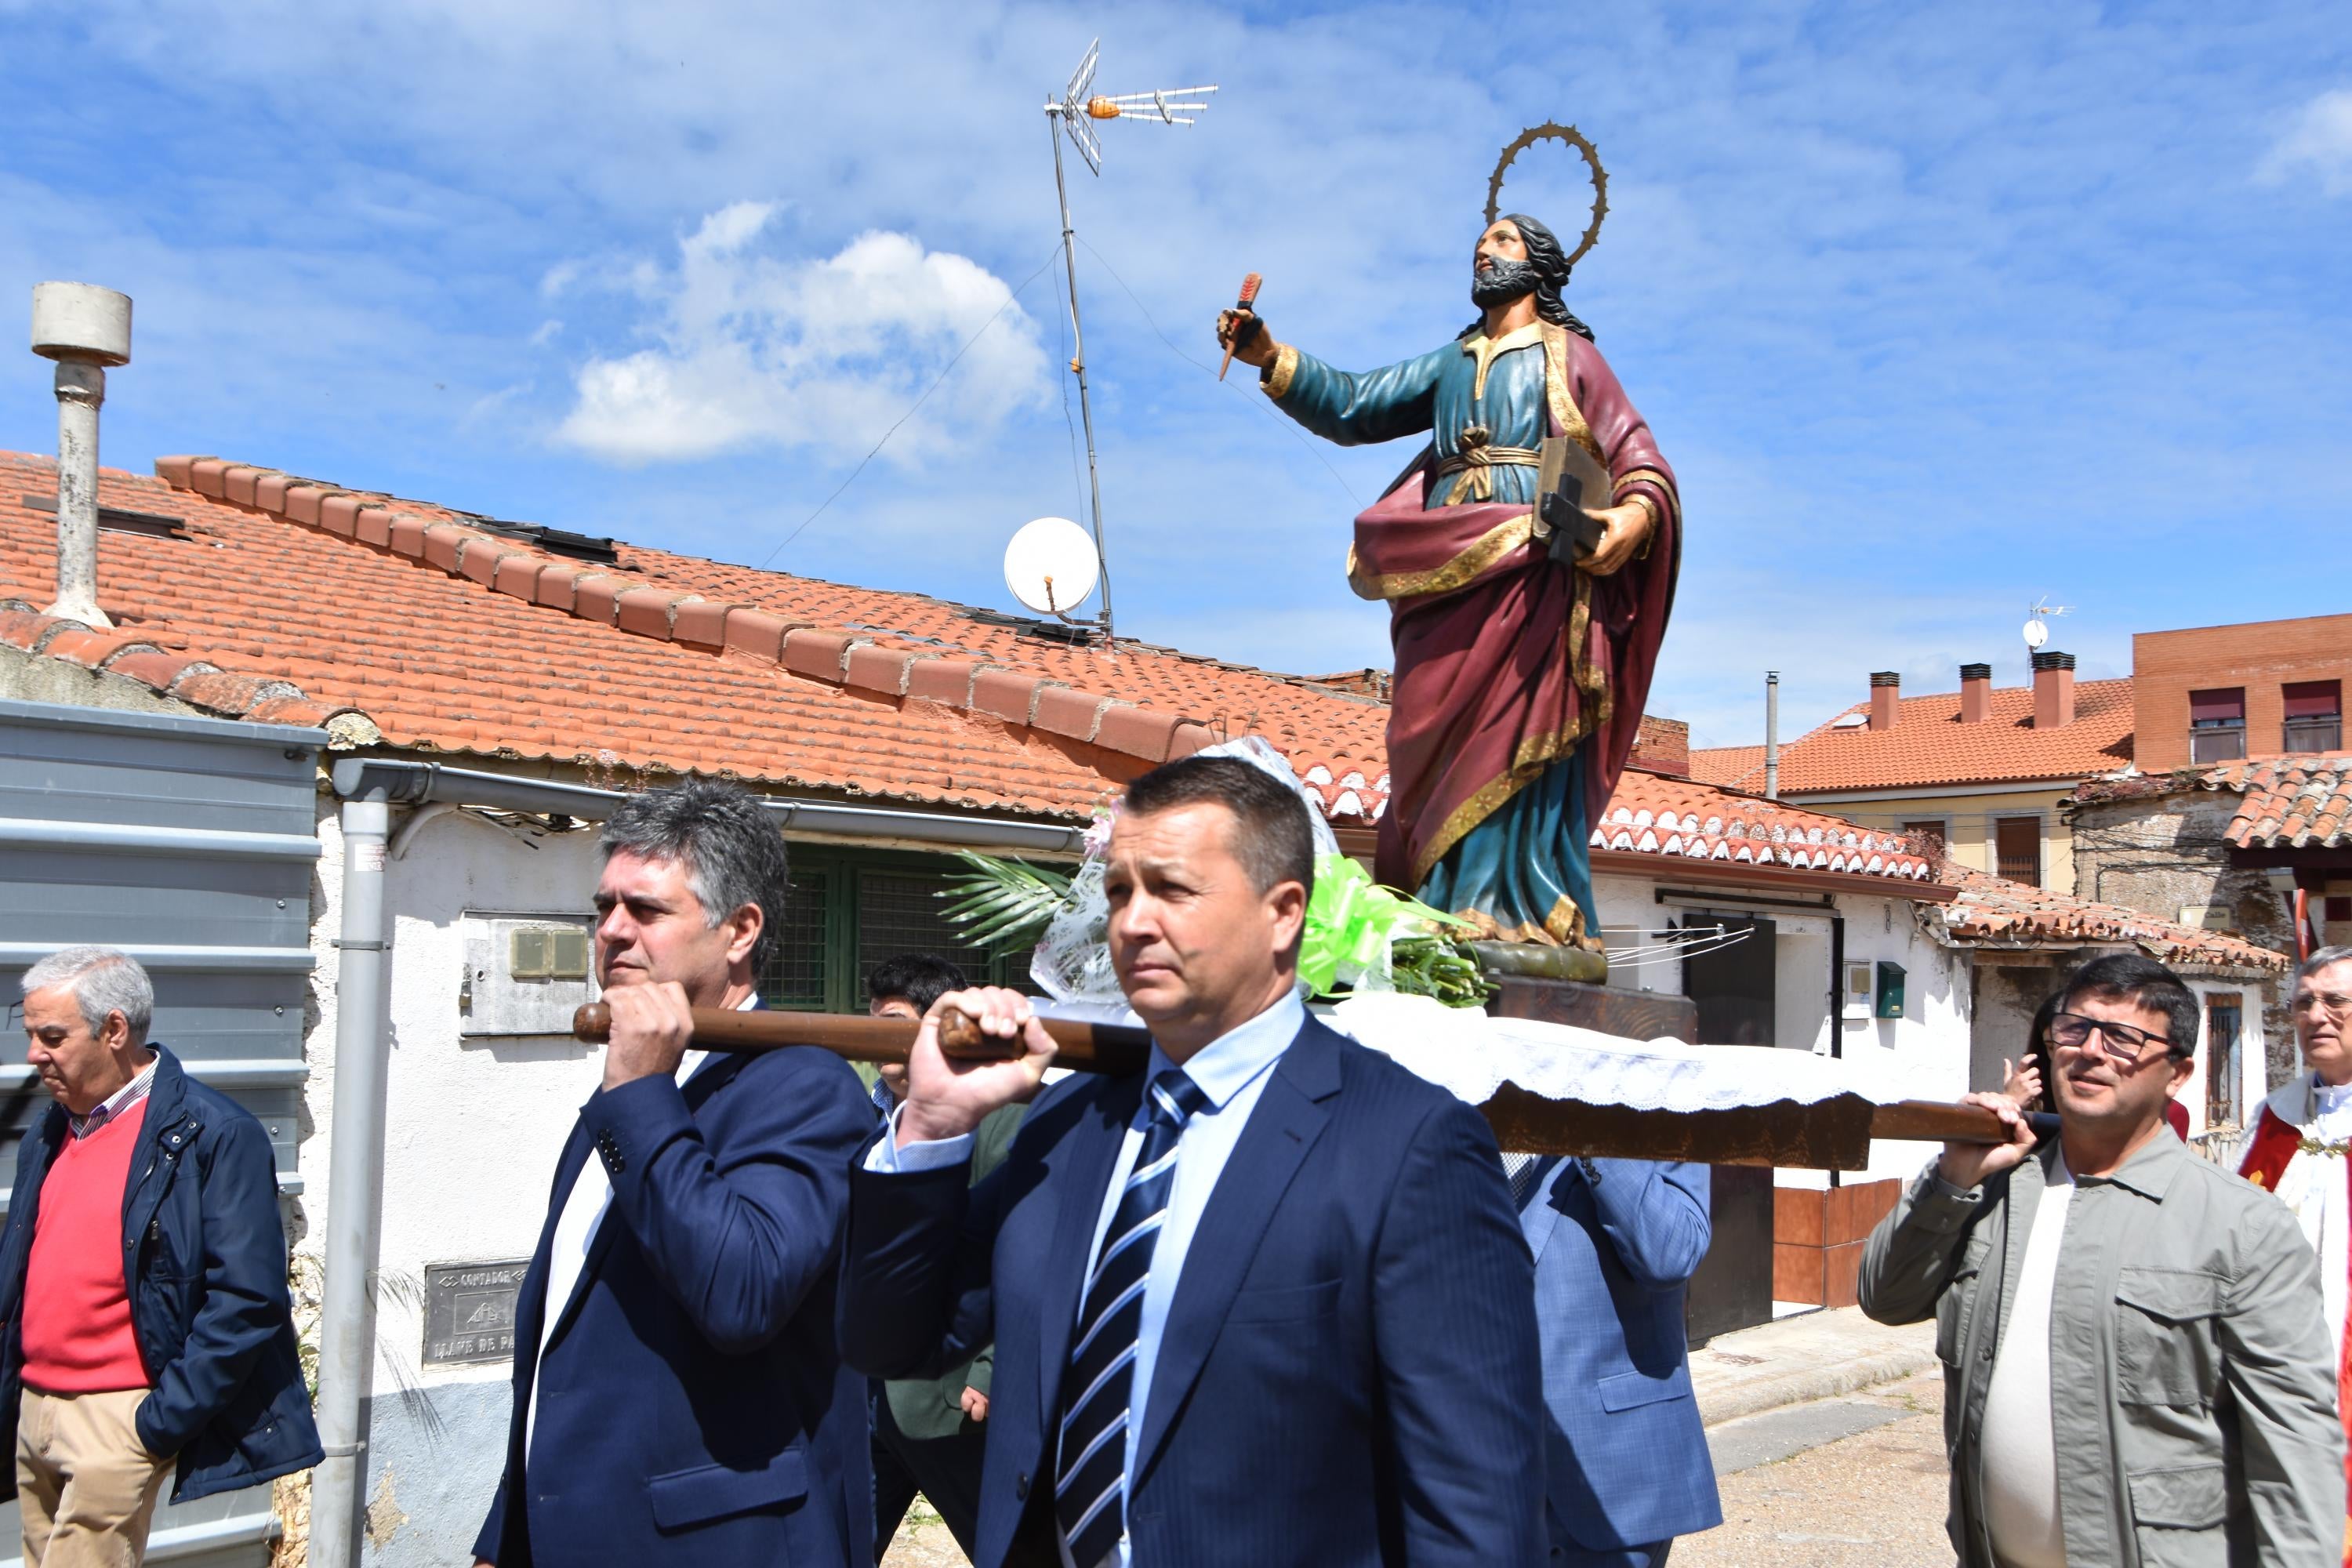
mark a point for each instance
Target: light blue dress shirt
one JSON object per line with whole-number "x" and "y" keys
{"x": 1232, "y": 1072}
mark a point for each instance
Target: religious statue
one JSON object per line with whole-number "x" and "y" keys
{"x": 1521, "y": 668}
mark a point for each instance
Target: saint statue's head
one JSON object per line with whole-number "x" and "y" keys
{"x": 1518, "y": 256}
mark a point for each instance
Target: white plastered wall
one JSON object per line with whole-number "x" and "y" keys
{"x": 472, "y": 1129}
{"x": 1924, "y": 1054}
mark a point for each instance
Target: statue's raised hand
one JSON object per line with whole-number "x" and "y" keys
{"x": 1245, "y": 335}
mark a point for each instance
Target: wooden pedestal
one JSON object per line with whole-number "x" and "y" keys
{"x": 1636, "y": 1014}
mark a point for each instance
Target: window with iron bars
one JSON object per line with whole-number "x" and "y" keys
{"x": 852, "y": 908}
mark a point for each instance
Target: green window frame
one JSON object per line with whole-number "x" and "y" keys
{"x": 850, "y": 910}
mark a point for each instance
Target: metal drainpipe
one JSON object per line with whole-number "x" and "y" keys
{"x": 1837, "y": 998}
{"x": 347, "y": 1314}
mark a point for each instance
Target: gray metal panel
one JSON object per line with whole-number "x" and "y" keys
{"x": 230, "y": 1529}
{"x": 191, "y": 843}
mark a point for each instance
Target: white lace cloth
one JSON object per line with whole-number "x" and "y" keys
{"x": 1472, "y": 1055}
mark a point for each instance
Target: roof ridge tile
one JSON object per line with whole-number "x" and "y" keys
{"x": 641, "y": 609}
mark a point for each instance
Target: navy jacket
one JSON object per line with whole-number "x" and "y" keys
{"x": 1626, "y": 1454}
{"x": 1345, "y": 1374}
{"x": 692, "y": 1407}
{"x": 207, "y": 1286}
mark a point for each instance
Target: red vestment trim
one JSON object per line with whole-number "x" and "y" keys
{"x": 2275, "y": 1145}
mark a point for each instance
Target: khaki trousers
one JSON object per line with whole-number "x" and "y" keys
{"x": 85, "y": 1487}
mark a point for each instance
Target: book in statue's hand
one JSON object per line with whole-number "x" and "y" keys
{"x": 1567, "y": 481}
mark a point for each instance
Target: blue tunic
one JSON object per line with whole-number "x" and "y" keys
{"x": 1437, "y": 395}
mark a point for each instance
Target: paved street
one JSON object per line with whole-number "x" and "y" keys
{"x": 1855, "y": 1482}
{"x": 1870, "y": 1496}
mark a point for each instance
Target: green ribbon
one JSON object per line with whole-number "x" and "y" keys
{"x": 1352, "y": 922}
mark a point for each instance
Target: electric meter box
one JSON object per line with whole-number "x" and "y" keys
{"x": 525, "y": 975}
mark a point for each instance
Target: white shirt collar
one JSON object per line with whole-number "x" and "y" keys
{"x": 2330, "y": 1103}
{"x": 693, "y": 1059}
{"x": 1228, "y": 1064}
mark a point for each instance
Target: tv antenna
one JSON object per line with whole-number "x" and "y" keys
{"x": 2037, "y": 618}
{"x": 1077, "y": 110}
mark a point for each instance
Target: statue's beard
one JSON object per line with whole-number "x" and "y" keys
{"x": 1500, "y": 282}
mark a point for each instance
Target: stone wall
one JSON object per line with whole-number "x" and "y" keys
{"x": 2166, "y": 852}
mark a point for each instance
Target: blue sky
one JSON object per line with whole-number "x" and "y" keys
{"x": 1934, "y": 309}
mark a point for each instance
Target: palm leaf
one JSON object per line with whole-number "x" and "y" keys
{"x": 1003, "y": 903}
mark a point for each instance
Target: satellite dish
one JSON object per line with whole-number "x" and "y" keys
{"x": 2036, "y": 633}
{"x": 1051, "y": 565}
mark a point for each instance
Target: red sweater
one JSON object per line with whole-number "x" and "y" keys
{"x": 77, "y": 1322}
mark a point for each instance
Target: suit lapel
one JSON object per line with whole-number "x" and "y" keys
{"x": 1085, "y": 1159}
{"x": 1542, "y": 1217}
{"x": 1288, "y": 1119}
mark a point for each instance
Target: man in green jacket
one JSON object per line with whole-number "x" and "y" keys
{"x": 2136, "y": 1372}
{"x": 928, "y": 1436}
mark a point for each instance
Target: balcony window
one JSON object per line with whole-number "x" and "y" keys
{"x": 2315, "y": 715}
{"x": 2217, "y": 725}
{"x": 2016, "y": 848}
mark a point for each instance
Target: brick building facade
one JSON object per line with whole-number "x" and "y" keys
{"x": 2220, "y": 694}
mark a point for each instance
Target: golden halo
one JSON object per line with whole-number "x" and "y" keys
{"x": 1551, "y": 131}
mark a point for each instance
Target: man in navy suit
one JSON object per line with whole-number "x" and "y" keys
{"x": 678, "y": 1395}
{"x": 1615, "y": 1243}
{"x": 1265, "y": 1305}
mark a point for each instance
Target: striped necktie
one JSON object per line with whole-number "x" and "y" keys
{"x": 1089, "y": 1494}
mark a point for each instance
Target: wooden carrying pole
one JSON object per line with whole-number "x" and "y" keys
{"x": 1833, "y": 1134}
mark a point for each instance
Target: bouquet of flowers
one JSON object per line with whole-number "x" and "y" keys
{"x": 1359, "y": 937}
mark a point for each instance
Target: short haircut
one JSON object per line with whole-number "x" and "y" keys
{"x": 103, "y": 980}
{"x": 2321, "y": 958}
{"x": 1273, "y": 839}
{"x": 921, "y": 978}
{"x": 732, "y": 851}
{"x": 2133, "y": 977}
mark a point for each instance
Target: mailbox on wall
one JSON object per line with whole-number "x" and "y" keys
{"x": 1890, "y": 989}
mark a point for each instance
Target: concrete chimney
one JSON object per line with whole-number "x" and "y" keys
{"x": 1975, "y": 694}
{"x": 86, "y": 329}
{"x": 1885, "y": 691}
{"x": 2053, "y": 690}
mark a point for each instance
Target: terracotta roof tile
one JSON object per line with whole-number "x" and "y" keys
{"x": 442, "y": 633}
{"x": 1928, "y": 744}
{"x": 1654, "y": 814}
{"x": 1739, "y": 767}
{"x": 2298, "y": 802}
{"x": 1993, "y": 912}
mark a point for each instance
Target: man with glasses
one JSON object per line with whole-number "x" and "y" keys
{"x": 2300, "y": 1140}
{"x": 2135, "y": 1368}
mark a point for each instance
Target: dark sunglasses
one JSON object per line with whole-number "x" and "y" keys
{"x": 2122, "y": 1041}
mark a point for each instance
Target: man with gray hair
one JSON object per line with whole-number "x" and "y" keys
{"x": 678, "y": 1395}
{"x": 2299, "y": 1143}
{"x": 143, "y": 1279}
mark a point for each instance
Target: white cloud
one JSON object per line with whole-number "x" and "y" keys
{"x": 754, "y": 350}
{"x": 2318, "y": 139}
